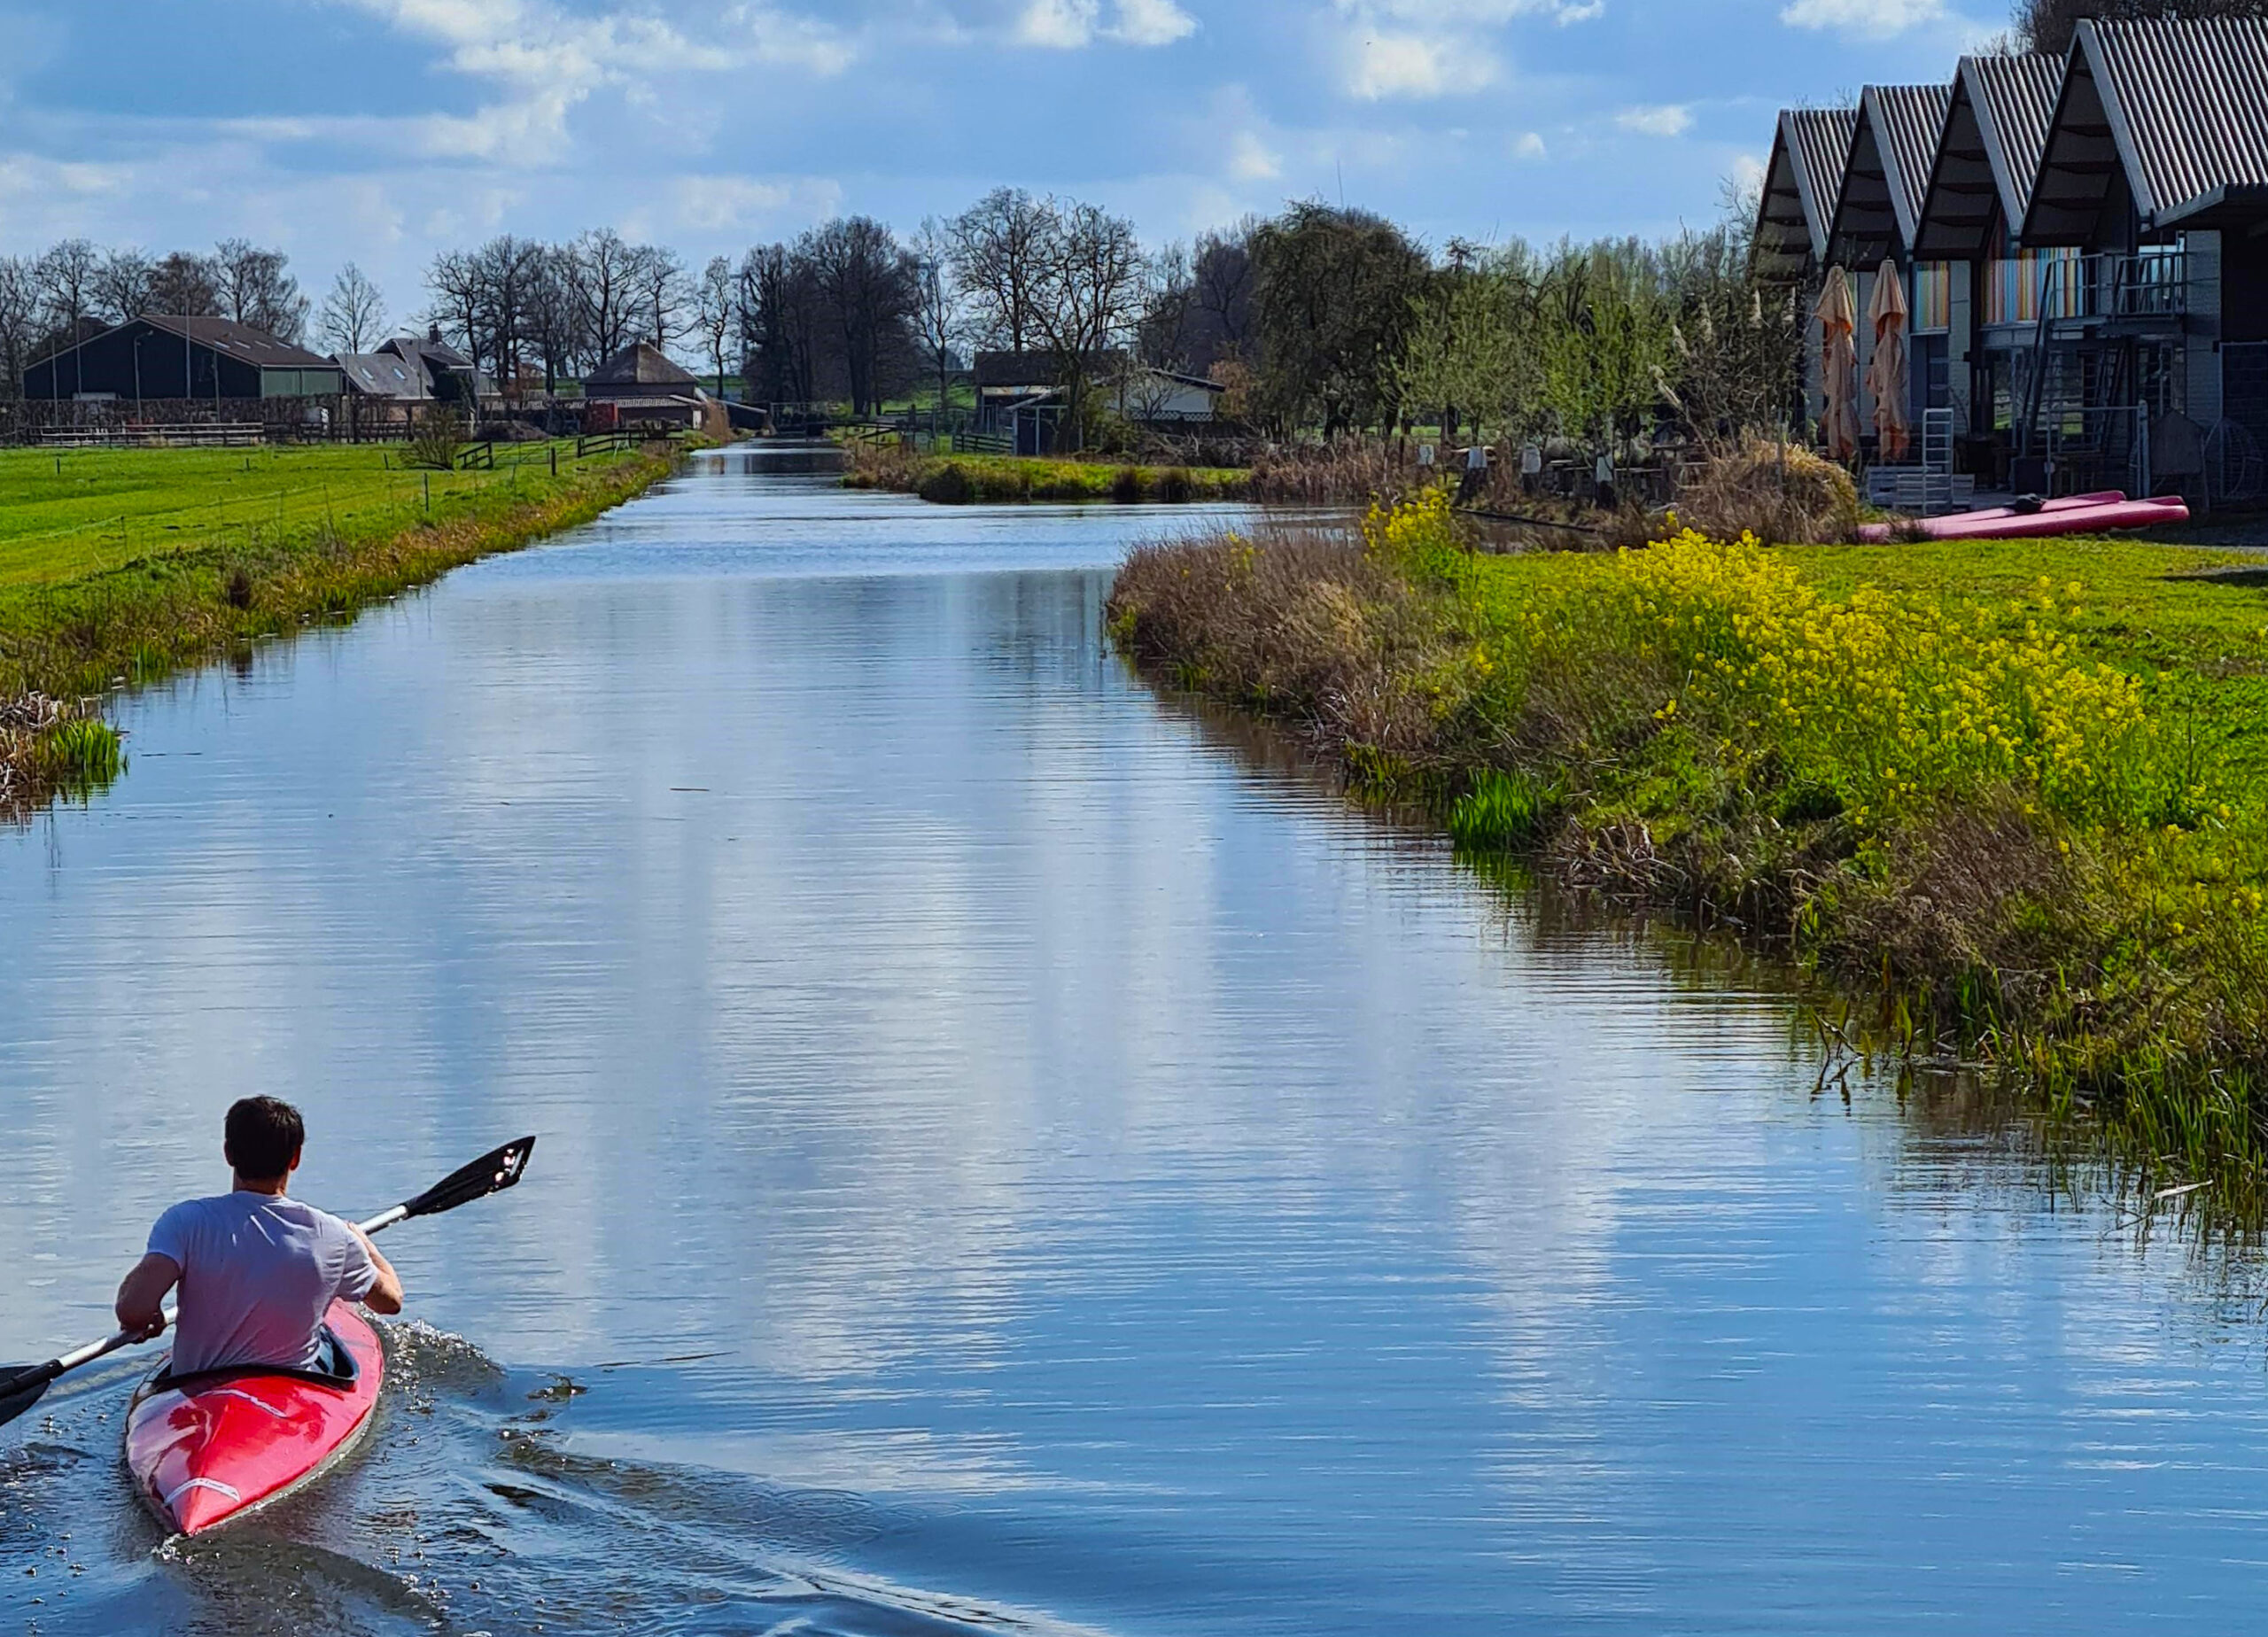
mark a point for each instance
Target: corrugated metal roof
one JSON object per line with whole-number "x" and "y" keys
{"x": 2014, "y": 99}
{"x": 1988, "y": 152}
{"x": 1907, "y": 120}
{"x": 241, "y": 341}
{"x": 1892, "y": 152}
{"x": 1819, "y": 144}
{"x": 2189, "y": 98}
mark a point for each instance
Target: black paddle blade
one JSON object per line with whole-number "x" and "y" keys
{"x": 21, "y": 1388}
{"x": 491, "y": 1173}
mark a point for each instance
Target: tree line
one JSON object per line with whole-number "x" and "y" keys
{"x": 1318, "y": 318}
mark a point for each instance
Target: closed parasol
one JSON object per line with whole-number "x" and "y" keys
{"x": 1838, "y": 320}
{"x": 1886, "y": 371}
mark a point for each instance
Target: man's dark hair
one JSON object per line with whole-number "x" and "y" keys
{"x": 263, "y": 1137}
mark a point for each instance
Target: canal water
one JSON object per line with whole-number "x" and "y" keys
{"x": 1017, "y": 1154}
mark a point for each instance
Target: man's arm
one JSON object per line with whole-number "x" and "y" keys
{"x": 385, "y": 1295}
{"x": 142, "y": 1296}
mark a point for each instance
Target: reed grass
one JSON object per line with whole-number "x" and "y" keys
{"x": 2014, "y": 794}
{"x": 961, "y": 479}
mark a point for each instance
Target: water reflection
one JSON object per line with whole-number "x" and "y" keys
{"x": 1009, "y": 1156}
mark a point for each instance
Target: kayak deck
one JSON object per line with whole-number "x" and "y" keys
{"x": 218, "y": 1444}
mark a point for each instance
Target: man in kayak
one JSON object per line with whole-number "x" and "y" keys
{"x": 257, "y": 1271}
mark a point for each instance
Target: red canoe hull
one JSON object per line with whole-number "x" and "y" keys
{"x": 228, "y": 1443}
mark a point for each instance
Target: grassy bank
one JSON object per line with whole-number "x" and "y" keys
{"x": 958, "y": 479}
{"x": 2014, "y": 794}
{"x": 118, "y": 566}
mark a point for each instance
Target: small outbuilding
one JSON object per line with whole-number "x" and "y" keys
{"x": 642, "y": 386}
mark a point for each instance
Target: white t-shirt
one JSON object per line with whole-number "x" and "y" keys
{"x": 258, "y": 1272}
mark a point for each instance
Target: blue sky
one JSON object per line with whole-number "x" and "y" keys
{"x": 380, "y": 130}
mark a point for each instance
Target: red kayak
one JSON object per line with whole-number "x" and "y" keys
{"x": 212, "y": 1447}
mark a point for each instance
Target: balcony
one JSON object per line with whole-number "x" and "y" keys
{"x": 2149, "y": 288}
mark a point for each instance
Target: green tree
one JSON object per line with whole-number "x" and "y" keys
{"x": 1333, "y": 291}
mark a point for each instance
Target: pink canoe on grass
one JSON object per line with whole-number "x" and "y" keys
{"x": 2073, "y": 514}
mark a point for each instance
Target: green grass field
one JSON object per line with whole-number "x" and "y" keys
{"x": 118, "y": 566}
{"x": 66, "y": 514}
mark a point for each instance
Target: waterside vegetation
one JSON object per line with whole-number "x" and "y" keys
{"x": 118, "y": 567}
{"x": 956, "y": 479}
{"x": 2015, "y": 793}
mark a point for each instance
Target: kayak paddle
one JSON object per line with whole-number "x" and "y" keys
{"x": 493, "y": 1173}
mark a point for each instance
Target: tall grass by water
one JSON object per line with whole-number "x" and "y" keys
{"x": 2013, "y": 791}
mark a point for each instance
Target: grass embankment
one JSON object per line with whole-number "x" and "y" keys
{"x": 2016, "y": 792}
{"x": 118, "y": 566}
{"x": 959, "y": 479}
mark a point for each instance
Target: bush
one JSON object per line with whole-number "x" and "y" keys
{"x": 435, "y": 439}
{"x": 1126, "y": 485}
{"x": 1776, "y": 492}
{"x": 948, "y": 486}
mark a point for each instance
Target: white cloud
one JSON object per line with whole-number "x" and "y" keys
{"x": 1666, "y": 120}
{"x": 1417, "y": 66}
{"x": 1058, "y": 25}
{"x": 1530, "y": 146}
{"x": 1151, "y": 22}
{"x": 1863, "y": 20}
{"x": 746, "y": 204}
{"x": 1074, "y": 25}
{"x": 1250, "y": 160}
{"x": 549, "y": 61}
{"x": 1748, "y": 173}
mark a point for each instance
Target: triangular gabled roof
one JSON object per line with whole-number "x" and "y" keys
{"x": 1801, "y": 185}
{"x": 1892, "y": 152}
{"x": 2177, "y": 105}
{"x": 1995, "y": 130}
{"x": 640, "y": 364}
{"x": 232, "y": 339}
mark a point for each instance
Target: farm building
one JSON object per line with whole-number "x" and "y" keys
{"x": 157, "y": 357}
{"x": 642, "y": 386}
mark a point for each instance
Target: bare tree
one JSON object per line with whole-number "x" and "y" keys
{"x": 122, "y": 285}
{"x": 184, "y": 284}
{"x": 600, "y": 267}
{"x": 868, "y": 282}
{"x": 715, "y": 306}
{"x": 1093, "y": 281}
{"x": 66, "y": 274}
{"x": 2049, "y": 25}
{"x": 939, "y": 317}
{"x": 505, "y": 272}
{"x": 997, "y": 252}
{"x": 255, "y": 289}
{"x": 454, "y": 278}
{"x": 1221, "y": 295}
{"x": 780, "y": 362}
{"x": 554, "y": 316}
{"x": 663, "y": 292}
{"x": 21, "y": 325}
{"x": 354, "y": 312}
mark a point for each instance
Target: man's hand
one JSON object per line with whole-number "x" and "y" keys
{"x": 141, "y": 1306}
{"x": 385, "y": 1295}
